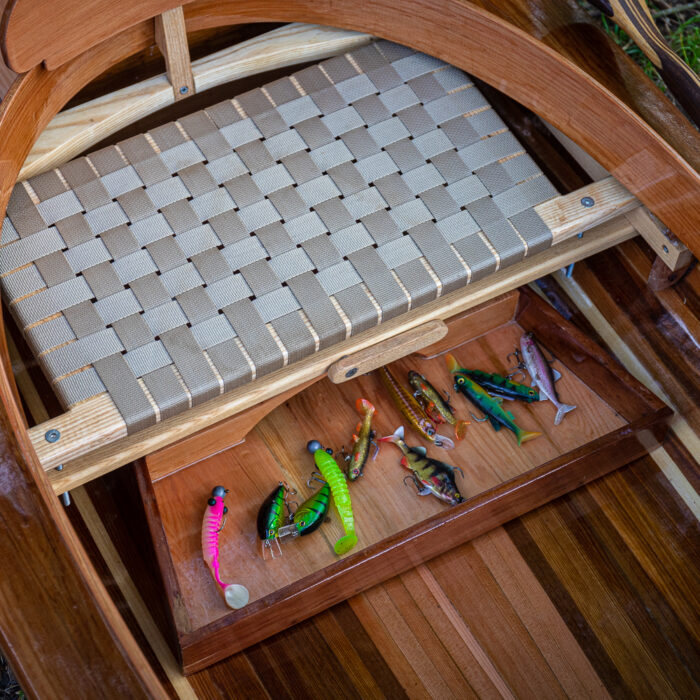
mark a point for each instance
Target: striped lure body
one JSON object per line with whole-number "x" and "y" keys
{"x": 362, "y": 439}
{"x": 412, "y": 411}
{"x": 434, "y": 405}
{"x": 236, "y": 595}
{"x": 489, "y": 405}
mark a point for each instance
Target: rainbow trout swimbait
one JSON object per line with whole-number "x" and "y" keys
{"x": 412, "y": 410}
{"x": 434, "y": 405}
{"x": 430, "y": 475}
{"x": 498, "y": 385}
{"x": 489, "y": 405}
{"x": 541, "y": 373}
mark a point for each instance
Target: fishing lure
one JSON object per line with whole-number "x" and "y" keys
{"x": 490, "y": 405}
{"x": 434, "y": 405}
{"x": 541, "y": 374}
{"x": 412, "y": 411}
{"x": 430, "y": 475}
{"x": 309, "y": 516}
{"x": 334, "y": 477}
{"x": 235, "y": 595}
{"x": 271, "y": 518}
{"x": 362, "y": 439}
{"x": 506, "y": 388}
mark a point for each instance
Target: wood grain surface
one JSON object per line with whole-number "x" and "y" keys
{"x": 635, "y": 18}
{"x": 500, "y": 480}
{"x": 636, "y": 540}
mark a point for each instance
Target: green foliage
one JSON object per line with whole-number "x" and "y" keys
{"x": 684, "y": 40}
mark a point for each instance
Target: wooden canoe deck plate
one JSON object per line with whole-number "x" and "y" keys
{"x": 396, "y": 528}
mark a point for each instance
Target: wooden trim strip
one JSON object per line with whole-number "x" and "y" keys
{"x": 93, "y": 434}
{"x": 73, "y": 131}
{"x": 171, "y": 37}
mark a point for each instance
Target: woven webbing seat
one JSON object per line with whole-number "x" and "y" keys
{"x": 190, "y": 260}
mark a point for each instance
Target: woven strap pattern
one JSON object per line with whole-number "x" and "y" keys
{"x": 187, "y": 261}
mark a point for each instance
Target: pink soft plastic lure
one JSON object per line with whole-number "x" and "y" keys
{"x": 235, "y": 594}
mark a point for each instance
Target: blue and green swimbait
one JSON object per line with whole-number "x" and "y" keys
{"x": 489, "y": 405}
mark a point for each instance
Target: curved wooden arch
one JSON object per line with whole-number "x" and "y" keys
{"x": 455, "y": 31}
{"x": 461, "y": 33}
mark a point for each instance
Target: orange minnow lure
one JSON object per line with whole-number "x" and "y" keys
{"x": 412, "y": 411}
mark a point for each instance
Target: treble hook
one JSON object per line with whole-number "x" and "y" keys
{"x": 478, "y": 420}
{"x": 315, "y": 476}
{"x": 518, "y": 372}
{"x": 516, "y": 355}
{"x": 413, "y": 481}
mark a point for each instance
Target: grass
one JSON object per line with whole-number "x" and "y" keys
{"x": 679, "y": 22}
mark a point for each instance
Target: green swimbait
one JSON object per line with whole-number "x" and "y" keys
{"x": 498, "y": 385}
{"x": 491, "y": 406}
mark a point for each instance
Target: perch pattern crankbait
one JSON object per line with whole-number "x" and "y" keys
{"x": 541, "y": 374}
{"x": 430, "y": 475}
{"x": 498, "y": 385}
{"x": 235, "y": 595}
{"x": 362, "y": 439}
{"x": 334, "y": 477}
{"x": 434, "y": 405}
{"x": 412, "y": 411}
{"x": 271, "y": 518}
{"x": 490, "y": 405}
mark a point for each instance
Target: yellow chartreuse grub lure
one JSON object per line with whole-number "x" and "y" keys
{"x": 334, "y": 477}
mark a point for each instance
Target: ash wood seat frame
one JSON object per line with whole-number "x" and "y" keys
{"x": 650, "y": 151}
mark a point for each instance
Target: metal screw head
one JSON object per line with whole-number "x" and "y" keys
{"x": 351, "y": 372}
{"x": 588, "y": 201}
{"x": 665, "y": 249}
{"x": 52, "y": 435}
{"x": 184, "y": 90}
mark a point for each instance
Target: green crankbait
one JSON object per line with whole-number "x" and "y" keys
{"x": 334, "y": 477}
{"x": 271, "y": 518}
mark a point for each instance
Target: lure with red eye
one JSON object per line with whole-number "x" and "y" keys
{"x": 361, "y": 440}
{"x": 412, "y": 410}
{"x": 235, "y": 595}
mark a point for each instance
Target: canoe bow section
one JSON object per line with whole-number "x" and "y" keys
{"x": 584, "y": 105}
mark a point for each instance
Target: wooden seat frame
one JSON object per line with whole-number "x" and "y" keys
{"x": 581, "y": 84}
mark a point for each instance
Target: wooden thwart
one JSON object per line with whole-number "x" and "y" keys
{"x": 94, "y": 440}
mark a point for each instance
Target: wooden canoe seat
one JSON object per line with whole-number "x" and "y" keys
{"x": 179, "y": 264}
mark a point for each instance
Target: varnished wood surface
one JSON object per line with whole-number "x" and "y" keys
{"x": 621, "y": 594}
{"x": 593, "y": 595}
{"x": 395, "y": 529}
